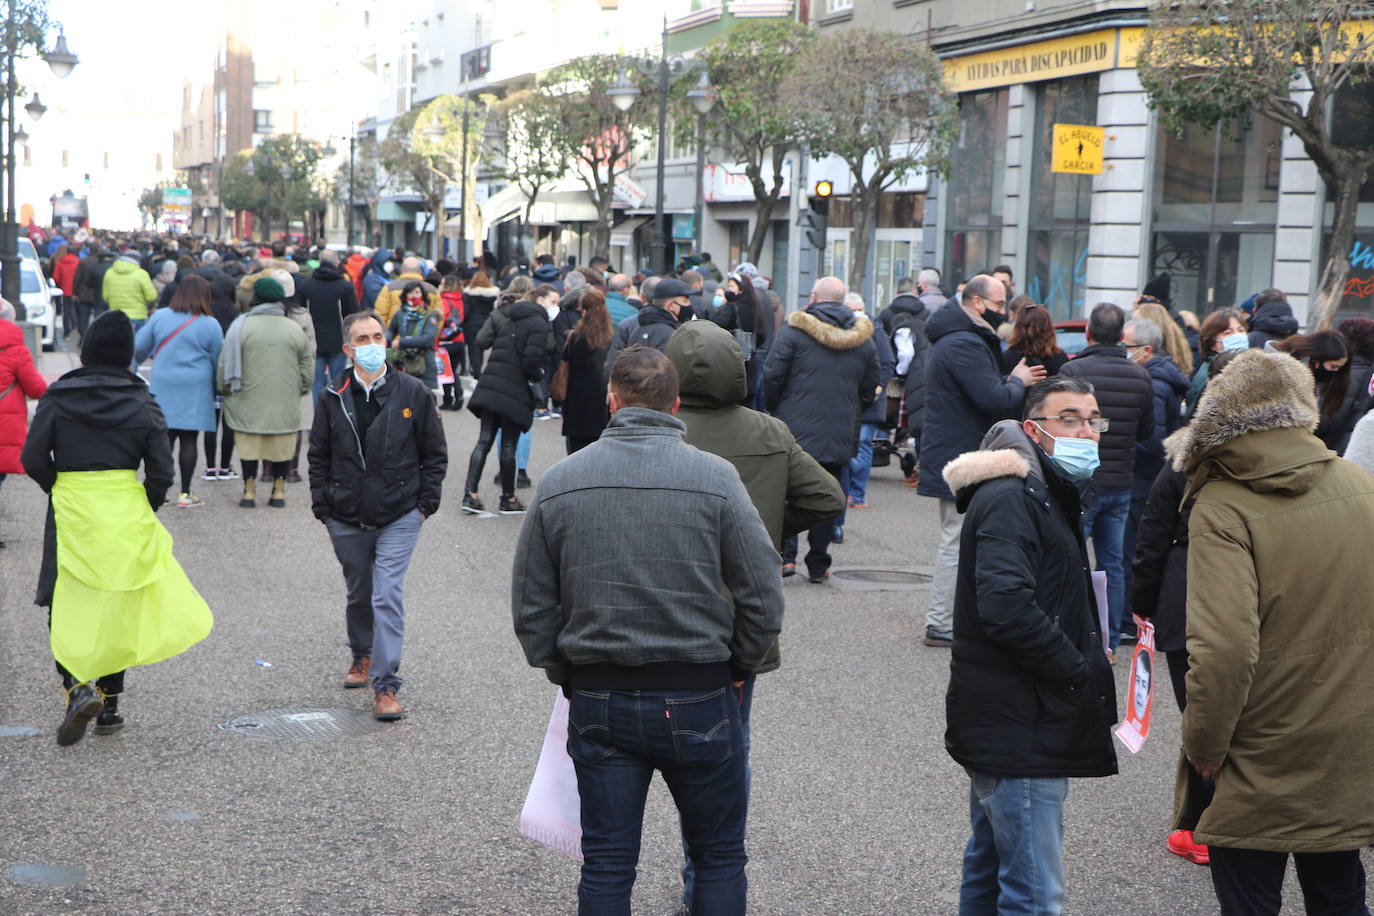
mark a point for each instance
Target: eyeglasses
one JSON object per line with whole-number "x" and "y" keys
{"x": 1000, "y": 303}
{"x": 1072, "y": 423}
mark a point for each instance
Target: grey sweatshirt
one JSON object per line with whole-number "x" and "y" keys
{"x": 640, "y": 549}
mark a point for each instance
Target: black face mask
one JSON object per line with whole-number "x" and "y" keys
{"x": 731, "y": 295}
{"x": 994, "y": 318}
{"x": 1324, "y": 375}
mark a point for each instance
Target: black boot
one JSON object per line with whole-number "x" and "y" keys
{"x": 83, "y": 705}
{"x": 109, "y": 721}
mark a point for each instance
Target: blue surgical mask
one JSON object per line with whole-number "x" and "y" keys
{"x": 1233, "y": 342}
{"x": 1077, "y": 458}
{"x": 369, "y": 357}
{"x": 718, "y": 300}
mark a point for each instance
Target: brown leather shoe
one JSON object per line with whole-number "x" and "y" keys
{"x": 386, "y": 709}
{"x": 357, "y": 672}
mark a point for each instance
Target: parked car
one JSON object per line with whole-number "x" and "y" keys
{"x": 37, "y": 297}
{"x": 1072, "y": 336}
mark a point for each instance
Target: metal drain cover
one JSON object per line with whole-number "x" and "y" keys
{"x": 858, "y": 580}
{"x": 303, "y": 723}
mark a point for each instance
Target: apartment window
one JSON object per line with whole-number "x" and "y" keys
{"x": 262, "y": 121}
{"x": 838, "y": 6}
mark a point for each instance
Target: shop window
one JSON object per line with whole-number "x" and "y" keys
{"x": 1215, "y": 204}
{"x": 973, "y": 195}
{"x": 1061, "y": 204}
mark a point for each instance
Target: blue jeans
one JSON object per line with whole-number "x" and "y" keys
{"x": 746, "y": 703}
{"x": 522, "y": 450}
{"x": 1105, "y": 523}
{"x": 1014, "y": 861}
{"x": 695, "y": 738}
{"x": 861, "y": 465}
{"x": 328, "y": 371}
{"x": 374, "y": 565}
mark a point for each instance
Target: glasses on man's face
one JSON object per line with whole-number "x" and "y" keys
{"x": 1074, "y": 424}
{"x": 1000, "y": 303}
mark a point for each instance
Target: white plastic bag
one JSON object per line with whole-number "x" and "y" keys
{"x": 553, "y": 809}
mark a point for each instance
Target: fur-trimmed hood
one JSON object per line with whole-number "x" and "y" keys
{"x": 489, "y": 292}
{"x": 1253, "y": 424}
{"x": 1006, "y": 451}
{"x": 832, "y": 325}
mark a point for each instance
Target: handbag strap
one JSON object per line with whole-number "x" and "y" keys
{"x": 14, "y": 384}
{"x": 168, "y": 339}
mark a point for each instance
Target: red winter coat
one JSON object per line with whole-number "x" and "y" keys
{"x": 451, "y": 329}
{"x": 356, "y": 266}
{"x": 16, "y": 365}
{"x": 64, "y": 271}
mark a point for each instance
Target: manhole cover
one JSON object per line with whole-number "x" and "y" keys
{"x": 46, "y": 875}
{"x": 301, "y": 723}
{"x": 878, "y": 579}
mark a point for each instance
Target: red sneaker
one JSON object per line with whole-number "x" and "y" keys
{"x": 1181, "y": 843}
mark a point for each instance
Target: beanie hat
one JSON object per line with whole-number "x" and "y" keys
{"x": 109, "y": 341}
{"x": 745, "y": 269}
{"x": 265, "y": 289}
{"x": 1158, "y": 288}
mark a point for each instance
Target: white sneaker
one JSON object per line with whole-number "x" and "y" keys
{"x": 228, "y": 474}
{"x": 189, "y": 501}
{"x": 210, "y": 474}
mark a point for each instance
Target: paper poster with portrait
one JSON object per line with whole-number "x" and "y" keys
{"x": 445, "y": 368}
{"x": 1135, "y": 728}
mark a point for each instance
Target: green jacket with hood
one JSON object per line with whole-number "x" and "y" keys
{"x": 790, "y": 490}
{"x": 1280, "y": 625}
{"x": 126, "y": 287}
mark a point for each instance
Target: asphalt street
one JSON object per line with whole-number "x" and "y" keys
{"x": 856, "y": 807}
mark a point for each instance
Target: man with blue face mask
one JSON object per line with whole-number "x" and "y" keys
{"x": 377, "y": 462}
{"x": 1031, "y": 697}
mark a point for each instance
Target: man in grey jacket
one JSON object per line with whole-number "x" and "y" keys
{"x": 646, "y": 586}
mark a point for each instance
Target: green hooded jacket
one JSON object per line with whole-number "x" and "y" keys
{"x": 126, "y": 287}
{"x": 790, "y": 490}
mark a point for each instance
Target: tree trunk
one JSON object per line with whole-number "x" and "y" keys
{"x": 764, "y": 202}
{"x": 1337, "y": 267}
{"x": 601, "y": 231}
{"x": 865, "y": 200}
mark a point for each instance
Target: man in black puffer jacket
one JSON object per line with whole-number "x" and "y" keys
{"x": 1273, "y": 318}
{"x": 377, "y": 463}
{"x": 652, "y": 325}
{"x": 966, "y": 392}
{"x": 1031, "y": 696}
{"x": 822, "y": 371}
{"x": 331, "y": 298}
{"x": 1125, "y": 392}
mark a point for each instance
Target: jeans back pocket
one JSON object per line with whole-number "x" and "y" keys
{"x": 702, "y": 727}
{"x": 588, "y": 727}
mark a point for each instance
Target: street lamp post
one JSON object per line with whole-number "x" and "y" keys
{"x": 351, "y": 141}
{"x": 703, "y": 98}
{"x": 61, "y": 61}
{"x": 623, "y": 94}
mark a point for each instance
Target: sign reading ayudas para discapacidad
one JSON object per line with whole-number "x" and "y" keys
{"x": 1077, "y": 149}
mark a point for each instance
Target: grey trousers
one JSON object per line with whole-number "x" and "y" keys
{"x": 940, "y": 614}
{"x": 374, "y": 567}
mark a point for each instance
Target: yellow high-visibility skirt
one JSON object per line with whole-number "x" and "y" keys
{"x": 121, "y": 598}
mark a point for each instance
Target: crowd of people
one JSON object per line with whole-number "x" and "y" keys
{"x": 1195, "y": 463}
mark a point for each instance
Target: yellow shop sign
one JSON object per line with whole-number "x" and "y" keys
{"x": 1077, "y": 149}
{"x": 1091, "y": 52}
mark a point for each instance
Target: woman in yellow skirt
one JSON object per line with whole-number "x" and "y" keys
{"x": 116, "y": 596}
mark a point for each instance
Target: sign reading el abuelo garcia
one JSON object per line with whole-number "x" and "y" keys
{"x": 1056, "y": 58}
{"x": 1077, "y": 149}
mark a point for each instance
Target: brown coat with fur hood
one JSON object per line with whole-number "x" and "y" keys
{"x": 1280, "y": 618}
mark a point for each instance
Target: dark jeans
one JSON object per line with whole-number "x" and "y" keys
{"x": 85, "y": 311}
{"x": 818, "y": 539}
{"x": 510, "y": 438}
{"x": 1128, "y": 542}
{"x": 695, "y": 738}
{"x": 211, "y": 440}
{"x": 746, "y": 704}
{"x": 1105, "y": 523}
{"x": 1249, "y": 882}
{"x": 474, "y": 355}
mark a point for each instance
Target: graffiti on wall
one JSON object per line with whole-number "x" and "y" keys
{"x": 1061, "y": 286}
{"x": 1360, "y": 286}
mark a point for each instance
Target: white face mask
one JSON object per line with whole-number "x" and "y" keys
{"x": 551, "y": 311}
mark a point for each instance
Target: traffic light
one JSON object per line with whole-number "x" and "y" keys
{"x": 815, "y": 218}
